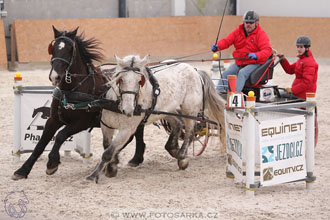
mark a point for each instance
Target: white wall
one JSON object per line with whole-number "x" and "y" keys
{"x": 286, "y": 8}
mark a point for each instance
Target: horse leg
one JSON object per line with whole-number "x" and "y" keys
{"x": 107, "y": 136}
{"x": 139, "y": 148}
{"x": 51, "y": 126}
{"x": 112, "y": 169}
{"x": 183, "y": 161}
{"x": 110, "y": 156}
{"x": 107, "y": 140}
{"x": 54, "y": 155}
{"x": 140, "y": 145}
{"x": 172, "y": 144}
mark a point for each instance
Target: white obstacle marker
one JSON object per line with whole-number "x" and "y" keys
{"x": 31, "y": 111}
{"x": 271, "y": 144}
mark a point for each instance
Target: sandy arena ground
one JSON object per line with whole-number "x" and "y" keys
{"x": 157, "y": 189}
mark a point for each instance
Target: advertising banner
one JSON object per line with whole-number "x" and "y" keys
{"x": 282, "y": 150}
{"x": 35, "y": 110}
{"x": 234, "y": 136}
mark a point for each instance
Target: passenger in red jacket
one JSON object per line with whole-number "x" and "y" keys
{"x": 305, "y": 70}
{"x": 252, "y": 48}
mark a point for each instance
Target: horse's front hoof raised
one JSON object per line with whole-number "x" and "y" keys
{"x": 16, "y": 176}
{"x": 51, "y": 171}
{"x": 183, "y": 164}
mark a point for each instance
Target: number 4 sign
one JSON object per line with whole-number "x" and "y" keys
{"x": 235, "y": 100}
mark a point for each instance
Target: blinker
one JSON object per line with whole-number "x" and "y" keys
{"x": 50, "y": 48}
{"x": 143, "y": 80}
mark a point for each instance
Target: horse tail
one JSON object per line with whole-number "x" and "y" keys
{"x": 214, "y": 104}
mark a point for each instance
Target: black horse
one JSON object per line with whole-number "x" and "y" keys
{"x": 76, "y": 81}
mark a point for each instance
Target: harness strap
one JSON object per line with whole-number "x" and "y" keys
{"x": 203, "y": 108}
{"x": 59, "y": 58}
{"x": 148, "y": 111}
{"x": 155, "y": 93}
{"x": 78, "y": 100}
{"x": 108, "y": 126}
{"x": 91, "y": 73}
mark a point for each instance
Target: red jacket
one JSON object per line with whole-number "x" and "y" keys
{"x": 256, "y": 42}
{"x": 305, "y": 70}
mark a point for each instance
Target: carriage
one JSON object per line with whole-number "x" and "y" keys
{"x": 266, "y": 94}
{"x": 72, "y": 102}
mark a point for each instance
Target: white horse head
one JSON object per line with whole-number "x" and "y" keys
{"x": 130, "y": 75}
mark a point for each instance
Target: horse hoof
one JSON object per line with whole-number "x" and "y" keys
{"x": 111, "y": 172}
{"x": 133, "y": 164}
{"x": 17, "y": 177}
{"x": 183, "y": 164}
{"x": 174, "y": 153}
{"x": 93, "y": 178}
{"x": 51, "y": 171}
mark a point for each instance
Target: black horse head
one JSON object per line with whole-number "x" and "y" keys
{"x": 70, "y": 55}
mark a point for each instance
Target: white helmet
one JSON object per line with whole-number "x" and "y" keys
{"x": 250, "y": 16}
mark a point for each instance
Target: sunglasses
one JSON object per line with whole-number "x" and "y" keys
{"x": 249, "y": 22}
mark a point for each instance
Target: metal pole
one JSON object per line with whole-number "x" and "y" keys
{"x": 17, "y": 117}
{"x": 122, "y": 8}
{"x": 13, "y": 46}
{"x": 310, "y": 139}
{"x": 250, "y": 128}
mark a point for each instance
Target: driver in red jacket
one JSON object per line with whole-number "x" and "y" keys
{"x": 305, "y": 70}
{"x": 252, "y": 48}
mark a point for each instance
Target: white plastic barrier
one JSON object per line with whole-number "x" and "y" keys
{"x": 271, "y": 144}
{"x": 31, "y": 111}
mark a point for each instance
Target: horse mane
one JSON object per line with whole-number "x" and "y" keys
{"x": 134, "y": 61}
{"x": 131, "y": 60}
{"x": 89, "y": 49}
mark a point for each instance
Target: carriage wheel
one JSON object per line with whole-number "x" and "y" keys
{"x": 202, "y": 133}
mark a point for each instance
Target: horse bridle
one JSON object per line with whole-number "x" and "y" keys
{"x": 67, "y": 73}
{"x": 135, "y": 70}
{"x": 155, "y": 91}
{"x": 122, "y": 92}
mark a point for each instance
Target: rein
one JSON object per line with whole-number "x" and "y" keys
{"x": 161, "y": 63}
{"x": 202, "y": 119}
{"x": 113, "y": 105}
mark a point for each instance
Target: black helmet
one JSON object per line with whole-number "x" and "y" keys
{"x": 250, "y": 16}
{"x": 303, "y": 40}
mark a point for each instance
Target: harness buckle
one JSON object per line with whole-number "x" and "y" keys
{"x": 157, "y": 92}
{"x": 68, "y": 77}
{"x": 69, "y": 106}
